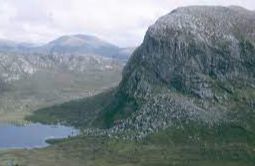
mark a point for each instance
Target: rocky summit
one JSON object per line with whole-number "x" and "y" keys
{"x": 192, "y": 48}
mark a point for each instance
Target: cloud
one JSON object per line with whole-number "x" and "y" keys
{"x": 123, "y": 22}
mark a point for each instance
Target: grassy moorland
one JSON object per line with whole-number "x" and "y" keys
{"x": 100, "y": 110}
{"x": 164, "y": 148}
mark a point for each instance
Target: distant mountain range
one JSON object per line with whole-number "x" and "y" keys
{"x": 77, "y": 53}
{"x": 71, "y": 44}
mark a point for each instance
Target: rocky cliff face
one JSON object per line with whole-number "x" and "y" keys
{"x": 192, "y": 48}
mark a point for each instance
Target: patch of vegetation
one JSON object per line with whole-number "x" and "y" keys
{"x": 191, "y": 145}
{"x": 120, "y": 107}
{"x": 78, "y": 113}
{"x": 102, "y": 110}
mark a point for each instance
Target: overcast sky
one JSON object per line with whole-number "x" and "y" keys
{"x": 122, "y": 22}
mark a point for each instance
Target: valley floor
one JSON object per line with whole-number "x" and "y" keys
{"x": 91, "y": 151}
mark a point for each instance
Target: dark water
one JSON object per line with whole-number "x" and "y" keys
{"x": 32, "y": 135}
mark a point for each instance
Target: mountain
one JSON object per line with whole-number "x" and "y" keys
{"x": 80, "y": 44}
{"x": 192, "y": 48}
{"x": 84, "y": 45}
{"x": 195, "y": 65}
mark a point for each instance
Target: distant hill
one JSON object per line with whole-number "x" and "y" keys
{"x": 70, "y": 45}
{"x": 80, "y": 44}
{"x": 12, "y": 46}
